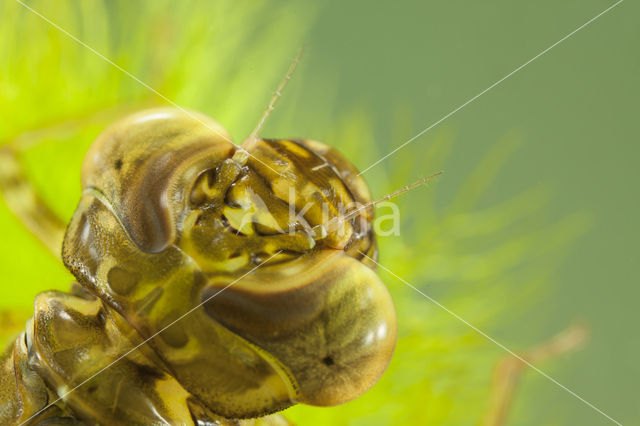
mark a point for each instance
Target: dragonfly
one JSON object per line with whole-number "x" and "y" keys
{"x": 214, "y": 283}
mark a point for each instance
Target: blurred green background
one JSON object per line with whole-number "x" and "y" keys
{"x": 532, "y": 226}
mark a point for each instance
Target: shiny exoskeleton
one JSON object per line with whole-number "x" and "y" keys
{"x": 174, "y": 215}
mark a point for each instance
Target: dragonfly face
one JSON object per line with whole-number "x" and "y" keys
{"x": 254, "y": 294}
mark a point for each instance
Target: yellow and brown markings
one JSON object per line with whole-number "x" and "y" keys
{"x": 142, "y": 165}
{"x": 317, "y": 184}
{"x": 158, "y": 288}
{"x": 334, "y": 328}
{"x": 171, "y": 214}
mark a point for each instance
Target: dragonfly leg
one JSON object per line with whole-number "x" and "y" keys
{"x": 509, "y": 370}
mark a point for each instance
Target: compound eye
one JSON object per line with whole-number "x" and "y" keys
{"x": 325, "y": 316}
{"x": 142, "y": 164}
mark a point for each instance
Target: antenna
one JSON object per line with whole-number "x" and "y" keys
{"x": 250, "y": 142}
{"x": 323, "y": 228}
